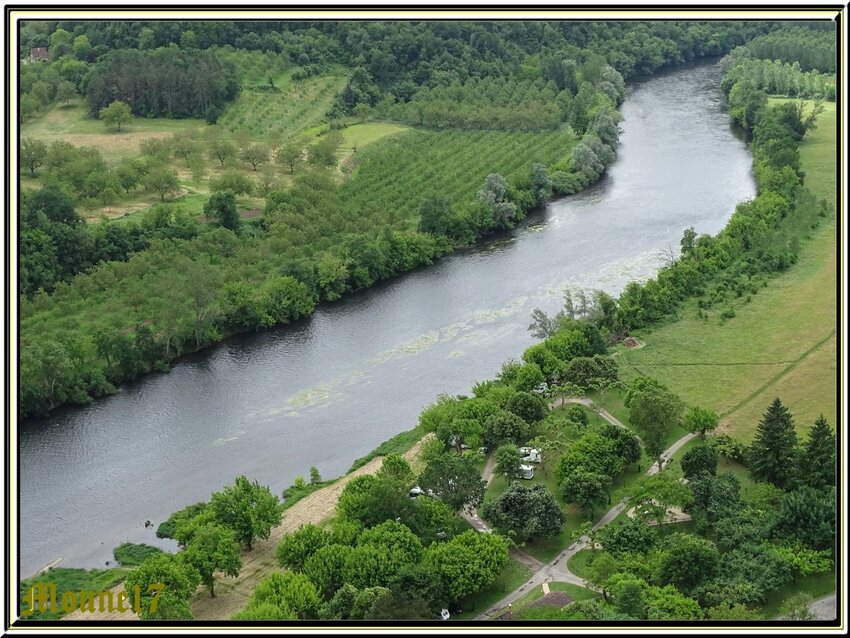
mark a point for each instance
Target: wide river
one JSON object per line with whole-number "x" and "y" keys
{"x": 329, "y": 389}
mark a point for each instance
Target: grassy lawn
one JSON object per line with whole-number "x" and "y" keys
{"x": 781, "y": 343}
{"x": 513, "y": 575}
{"x": 817, "y": 585}
{"x": 69, "y": 579}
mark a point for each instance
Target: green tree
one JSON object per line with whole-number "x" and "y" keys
{"x": 816, "y": 463}
{"x": 530, "y": 512}
{"x": 396, "y": 468}
{"x": 809, "y": 516}
{"x": 232, "y": 180}
{"x": 33, "y": 154}
{"x": 702, "y": 458}
{"x": 162, "y": 181}
{"x": 586, "y": 489}
{"x": 508, "y": 460}
{"x": 315, "y": 477}
{"x": 600, "y": 571}
{"x": 327, "y": 566}
{"x": 222, "y": 150}
{"x": 713, "y": 495}
{"x": 290, "y": 154}
{"x": 666, "y": 603}
{"x": 323, "y": 152}
{"x": 436, "y": 215}
{"x": 654, "y": 411}
{"x": 294, "y": 549}
{"x": 116, "y": 114}
{"x": 632, "y": 535}
{"x": 291, "y": 591}
{"x": 65, "y": 91}
{"x": 212, "y": 548}
{"x": 179, "y": 581}
{"x": 732, "y": 611}
{"x": 772, "y": 450}
{"x": 653, "y": 495}
{"x": 455, "y": 480}
{"x": 264, "y": 611}
{"x": 467, "y": 563}
{"x": 255, "y": 154}
{"x": 504, "y": 427}
{"x": 688, "y": 561}
{"x": 29, "y": 106}
{"x": 700, "y": 420}
{"x": 528, "y": 407}
{"x": 797, "y": 607}
{"x": 222, "y": 206}
{"x": 249, "y": 509}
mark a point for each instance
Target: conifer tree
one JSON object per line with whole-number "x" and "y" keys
{"x": 816, "y": 463}
{"x": 772, "y": 451}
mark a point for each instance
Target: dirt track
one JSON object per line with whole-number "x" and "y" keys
{"x": 231, "y": 594}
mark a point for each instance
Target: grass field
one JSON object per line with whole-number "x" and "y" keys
{"x": 399, "y": 171}
{"x": 287, "y": 110}
{"x": 782, "y": 343}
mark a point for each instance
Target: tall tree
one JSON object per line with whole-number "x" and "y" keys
{"x": 531, "y": 512}
{"x": 33, "y": 154}
{"x": 212, "y": 548}
{"x": 508, "y": 460}
{"x": 179, "y": 580}
{"x": 654, "y": 410}
{"x": 222, "y": 206}
{"x": 816, "y": 463}
{"x": 455, "y": 480}
{"x": 772, "y": 451}
{"x": 249, "y": 509}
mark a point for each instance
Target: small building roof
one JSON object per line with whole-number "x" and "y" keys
{"x": 39, "y": 53}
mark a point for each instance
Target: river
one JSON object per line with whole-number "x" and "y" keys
{"x": 329, "y": 389}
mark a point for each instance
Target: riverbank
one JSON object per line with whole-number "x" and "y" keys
{"x": 270, "y": 405}
{"x": 232, "y": 593}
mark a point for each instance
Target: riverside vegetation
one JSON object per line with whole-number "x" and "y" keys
{"x": 112, "y": 300}
{"x": 759, "y": 527}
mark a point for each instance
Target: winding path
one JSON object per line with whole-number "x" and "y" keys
{"x": 557, "y": 569}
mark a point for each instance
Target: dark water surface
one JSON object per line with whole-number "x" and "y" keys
{"x": 330, "y": 389}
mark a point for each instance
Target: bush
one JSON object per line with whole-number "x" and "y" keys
{"x": 133, "y": 554}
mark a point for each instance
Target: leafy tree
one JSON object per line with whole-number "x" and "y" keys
{"x": 129, "y": 175}
{"x": 179, "y": 580}
{"x": 264, "y": 611}
{"x": 436, "y": 215}
{"x": 455, "y": 480}
{"x": 528, "y": 407}
{"x": 315, "y": 477}
{"x": 508, "y": 460}
{"x": 232, "y": 180}
{"x": 713, "y": 495}
{"x": 467, "y": 563}
{"x": 222, "y": 206}
{"x": 291, "y": 591}
{"x": 654, "y": 411}
{"x": 29, "y": 106}
{"x": 326, "y": 567}
{"x": 630, "y": 536}
{"x": 294, "y": 549}
{"x": 255, "y": 154}
{"x": 222, "y": 150}
{"x": 65, "y": 91}
{"x": 816, "y": 463}
{"x": 586, "y": 489}
{"x": 628, "y": 592}
{"x": 809, "y": 516}
{"x": 730, "y": 611}
{"x": 212, "y": 548}
{"x": 700, "y": 420}
{"x": 162, "y": 181}
{"x": 599, "y": 572}
{"x": 33, "y": 154}
{"x": 249, "y": 509}
{"x": 688, "y": 561}
{"x": 371, "y": 500}
{"x": 772, "y": 450}
{"x": 653, "y": 495}
{"x": 323, "y": 152}
{"x": 702, "y": 458}
{"x": 290, "y": 154}
{"x": 504, "y": 427}
{"x": 396, "y": 468}
{"x": 116, "y": 114}
{"x": 804, "y": 561}
{"x": 666, "y": 603}
{"x": 530, "y": 512}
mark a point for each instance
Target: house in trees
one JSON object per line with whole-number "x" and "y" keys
{"x": 39, "y": 53}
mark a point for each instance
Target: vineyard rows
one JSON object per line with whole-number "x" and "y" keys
{"x": 396, "y": 174}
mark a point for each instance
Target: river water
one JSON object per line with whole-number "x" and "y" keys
{"x": 329, "y": 389}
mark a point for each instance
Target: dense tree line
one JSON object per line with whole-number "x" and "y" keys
{"x": 812, "y": 46}
{"x": 165, "y": 82}
{"x": 780, "y": 78}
